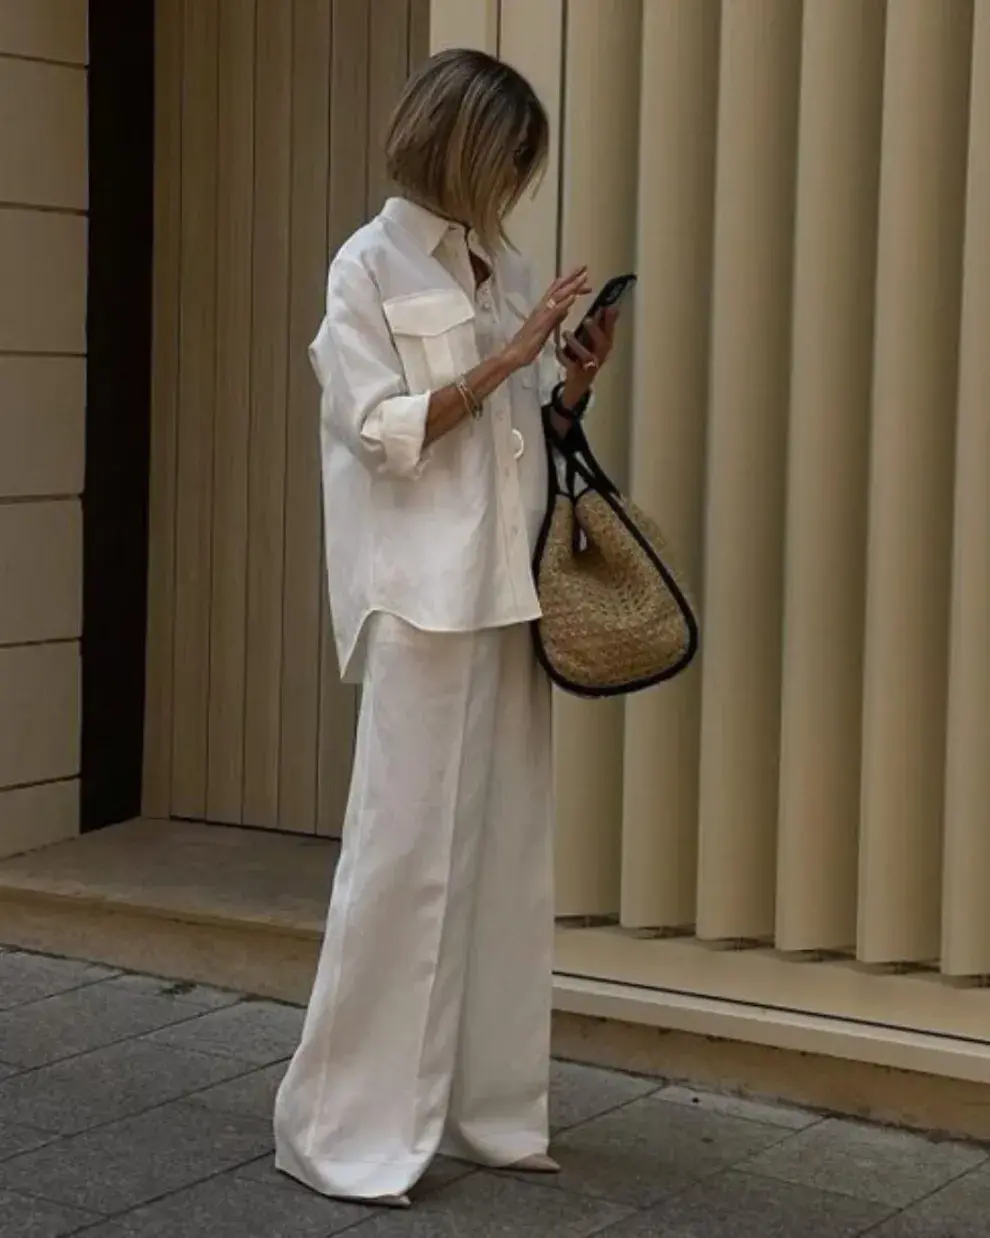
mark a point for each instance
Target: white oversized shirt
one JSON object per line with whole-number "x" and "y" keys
{"x": 442, "y": 536}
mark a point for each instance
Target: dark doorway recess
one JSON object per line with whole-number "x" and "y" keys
{"x": 118, "y": 414}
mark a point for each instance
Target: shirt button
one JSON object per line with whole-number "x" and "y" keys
{"x": 518, "y": 444}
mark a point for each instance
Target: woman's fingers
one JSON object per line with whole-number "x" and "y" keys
{"x": 573, "y": 284}
{"x": 581, "y": 351}
{"x": 598, "y": 335}
{"x": 562, "y": 305}
{"x": 608, "y": 321}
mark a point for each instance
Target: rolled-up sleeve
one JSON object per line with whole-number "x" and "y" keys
{"x": 365, "y": 400}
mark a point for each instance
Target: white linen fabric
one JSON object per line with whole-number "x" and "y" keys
{"x": 440, "y": 537}
{"x": 428, "y": 1028}
{"x": 429, "y": 1025}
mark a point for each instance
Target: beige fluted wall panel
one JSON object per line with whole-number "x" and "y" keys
{"x": 922, "y": 195}
{"x": 532, "y": 40}
{"x": 464, "y": 23}
{"x": 835, "y": 252}
{"x": 754, "y": 209}
{"x": 159, "y": 697}
{"x": 598, "y": 227}
{"x": 674, "y": 237}
{"x": 229, "y": 548}
{"x": 965, "y": 905}
{"x": 264, "y": 115}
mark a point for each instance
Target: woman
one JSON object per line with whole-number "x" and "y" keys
{"x": 428, "y": 1026}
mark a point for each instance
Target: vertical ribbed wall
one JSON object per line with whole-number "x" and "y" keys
{"x": 804, "y": 402}
{"x": 270, "y": 117}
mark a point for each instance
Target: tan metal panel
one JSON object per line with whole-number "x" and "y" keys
{"x": 747, "y": 435}
{"x": 43, "y": 135}
{"x": 33, "y": 817}
{"x": 599, "y": 147}
{"x": 269, "y": 377}
{"x": 671, "y": 320}
{"x": 346, "y": 207}
{"x": 43, "y": 257}
{"x": 922, "y": 195}
{"x": 46, "y": 29}
{"x": 41, "y": 571}
{"x": 531, "y": 40}
{"x": 965, "y": 905}
{"x": 464, "y": 23}
{"x": 838, "y": 183}
{"x": 304, "y": 584}
{"x": 196, "y": 402}
{"x": 234, "y": 249}
{"x": 157, "y": 776}
{"x": 388, "y": 67}
{"x": 39, "y": 713}
{"x": 42, "y": 430}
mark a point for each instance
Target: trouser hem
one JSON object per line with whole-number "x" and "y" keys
{"x": 354, "y": 1180}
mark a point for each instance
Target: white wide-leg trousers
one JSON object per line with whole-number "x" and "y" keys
{"x": 429, "y": 1024}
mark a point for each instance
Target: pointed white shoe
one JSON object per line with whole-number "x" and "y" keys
{"x": 387, "y": 1201}
{"x": 538, "y": 1163}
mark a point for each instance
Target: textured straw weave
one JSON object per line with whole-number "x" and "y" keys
{"x": 615, "y": 615}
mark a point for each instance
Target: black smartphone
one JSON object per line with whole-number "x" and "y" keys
{"x": 610, "y": 296}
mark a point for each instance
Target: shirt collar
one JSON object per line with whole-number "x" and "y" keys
{"x": 426, "y": 228}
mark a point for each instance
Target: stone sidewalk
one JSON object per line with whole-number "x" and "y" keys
{"x": 135, "y": 1108}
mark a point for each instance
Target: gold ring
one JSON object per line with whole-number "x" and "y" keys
{"x": 590, "y": 365}
{"x": 551, "y": 304}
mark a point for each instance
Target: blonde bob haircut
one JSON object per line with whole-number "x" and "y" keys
{"x": 466, "y": 139}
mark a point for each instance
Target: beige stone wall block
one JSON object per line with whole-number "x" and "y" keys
{"x": 43, "y": 134}
{"x": 44, "y": 29}
{"x": 42, "y": 426}
{"x": 42, "y": 282}
{"x": 32, "y": 817}
{"x": 40, "y": 571}
{"x": 39, "y": 713}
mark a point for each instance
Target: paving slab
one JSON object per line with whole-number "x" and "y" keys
{"x": 200, "y": 995}
{"x": 259, "y": 1032}
{"x": 959, "y": 1210}
{"x": 252, "y": 1095}
{"x": 29, "y": 977}
{"x": 15, "y": 1139}
{"x": 133, "y": 1162}
{"x": 578, "y": 1093}
{"x": 649, "y": 1150}
{"x": 886, "y": 1166}
{"x": 487, "y": 1205}
{"x": 21, "y": 1216}
{"x": 733, "y": 1205}
{"x": 741, "y": 1107}
{"x": 229, "y": 1207}
{"x": 76, "y": 1022}
{"x": 108, "y": 1084}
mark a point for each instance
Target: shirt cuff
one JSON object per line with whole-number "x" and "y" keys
{"x": 396, "y": 432}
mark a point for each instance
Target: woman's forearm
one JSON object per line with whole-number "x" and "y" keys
{"x": 448, "y": 407}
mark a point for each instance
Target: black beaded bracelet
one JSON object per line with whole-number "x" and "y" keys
{"x": 568, "y": 414}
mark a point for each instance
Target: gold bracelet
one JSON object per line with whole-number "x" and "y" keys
{"x": 472, "y": 405}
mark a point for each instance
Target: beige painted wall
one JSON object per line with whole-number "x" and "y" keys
{"x": 43, "y": 178}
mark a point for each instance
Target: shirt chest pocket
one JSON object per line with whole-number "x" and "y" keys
{"x": 434, "y": 337}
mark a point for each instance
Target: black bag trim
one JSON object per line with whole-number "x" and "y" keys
{"x": 580, "y": 462}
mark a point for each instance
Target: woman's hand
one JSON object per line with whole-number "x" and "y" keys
{"x": 585, "y": 360}
{"x": 554, "y": 306}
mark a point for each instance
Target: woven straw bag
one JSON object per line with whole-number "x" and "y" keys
{"x": 615, "y": 617}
